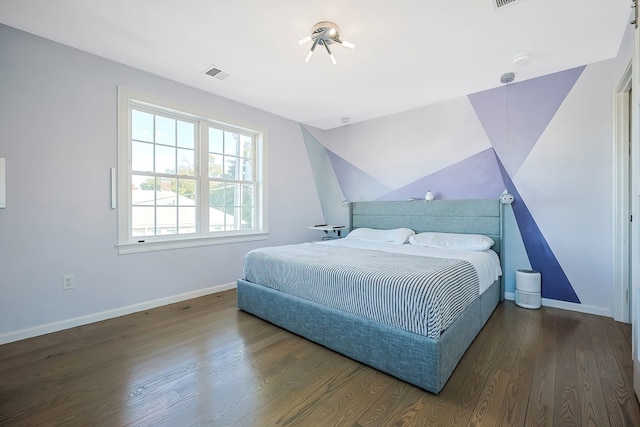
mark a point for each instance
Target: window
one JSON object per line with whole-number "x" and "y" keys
{"x": 186, "y": 178}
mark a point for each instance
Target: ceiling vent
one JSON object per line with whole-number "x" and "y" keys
{"x": 502, "y": 3}
{"x": 217, "y": 73}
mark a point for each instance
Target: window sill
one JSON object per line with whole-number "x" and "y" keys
{"x": 163, "y": 245}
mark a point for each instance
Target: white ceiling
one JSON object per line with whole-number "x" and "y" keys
{"x": 408, "y": 53}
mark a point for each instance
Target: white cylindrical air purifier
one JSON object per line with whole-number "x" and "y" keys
{"x": 528, "y": 289}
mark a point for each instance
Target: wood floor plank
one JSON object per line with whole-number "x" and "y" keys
{"x": 229, "y": 389}
{"x": 341, "y": 404}
{"x": 625, "y": 330}
{"x": 399, "y": 405}
{"x": 567, "y": 408}
{"x": 487, "y": 409}
{"x": 461, "y": 401}
{"x": 593, "y": 408}
{"x": 591, "y": 396}
{"x": 622, "y": 404}
{"x": 284, "y": 372}
{"x": 415, "y": 407}
{"x": 466, "y": 383}
{"x": 203, "y": 362}
{"x": 497, "y": 366}
{"x": 516, "y": 398}
{"x": 541, "y": 395}
{"x": 620, "y": 345}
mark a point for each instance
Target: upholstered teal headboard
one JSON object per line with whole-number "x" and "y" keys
{"x": 450, "y": 216}
{"x": 479, "y": 216}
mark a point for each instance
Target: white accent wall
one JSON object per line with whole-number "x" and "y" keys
{"x": 566, "y": 180}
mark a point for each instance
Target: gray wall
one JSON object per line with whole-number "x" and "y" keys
{"x": 58, "y": 133}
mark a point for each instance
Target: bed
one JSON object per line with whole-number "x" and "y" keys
{"x": 423, "y": 355}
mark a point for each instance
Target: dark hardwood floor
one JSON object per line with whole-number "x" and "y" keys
{"x": 203, "y": 362}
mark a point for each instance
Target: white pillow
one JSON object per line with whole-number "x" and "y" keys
{"x": 396, "y": 235}
{"x": 470, "y": 242}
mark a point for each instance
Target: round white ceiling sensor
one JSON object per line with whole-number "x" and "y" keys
{"x": 521, "y": 59}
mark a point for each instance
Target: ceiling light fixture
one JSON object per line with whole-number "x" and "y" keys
{"x": 324, "y": 33}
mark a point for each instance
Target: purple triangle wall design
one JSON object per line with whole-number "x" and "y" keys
{"x": 476, "y": 177}
{"x": 515, "y": 115}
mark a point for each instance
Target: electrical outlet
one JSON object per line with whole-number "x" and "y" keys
{"x": 68, "y": 282}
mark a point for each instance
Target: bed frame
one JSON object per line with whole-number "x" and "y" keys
{"x": 425, "y": 362}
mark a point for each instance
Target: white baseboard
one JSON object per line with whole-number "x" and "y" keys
{"x": 582, "y": 308}
{"x": 109, "y": 314}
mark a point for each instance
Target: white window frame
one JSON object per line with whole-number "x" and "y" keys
{"x": 127, "y": 243}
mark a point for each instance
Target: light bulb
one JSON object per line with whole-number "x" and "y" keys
{"x": 348, "y": 44}
{"x": 309, "y": 55}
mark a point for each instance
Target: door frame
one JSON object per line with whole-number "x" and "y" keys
{"x": 621, "y": 201}
{"x": 635, "y": 205}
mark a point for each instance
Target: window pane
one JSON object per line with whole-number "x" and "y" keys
{"x": 165, "y": 159}
{"x": 165, "y": 131}
{"x": 216, "y": 206}
{"x": 186, "y": 220}
{"x": 230, "y": 169}
{"x": 246, "y": 143}
{"x": 236, "y": 213}
{"x": 215, "y": 165}
{"x": 186, "y": 135}
{"x": 186, "y": 162}
{"x": 231, "y": 143}
{"x": 247, "y": 195}
{"x": 246, "y": 169}
{"x": 216, "y": 194}
{"x": 186, "y": 192}
{"x": 142, "y": 190}
{"x": 165, "y": 192}
{"x": 142, "y": 156}
{"x": 216, "y": 140}
{"x": 232, "y": 195}
{"x": 166, "y": 220}
{"x": 142, "y": 221}
{"x": 216, "y": 219}
{"x": 247, "y": 218}
{"x": 141, "y": 126}
{"x": 227, "y": 218}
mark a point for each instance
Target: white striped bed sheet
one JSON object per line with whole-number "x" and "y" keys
{"x": 486, "y": 263}
{"x": 418, "y": 293}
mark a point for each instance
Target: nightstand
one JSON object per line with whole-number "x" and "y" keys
{"x": 330, "y": 231}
